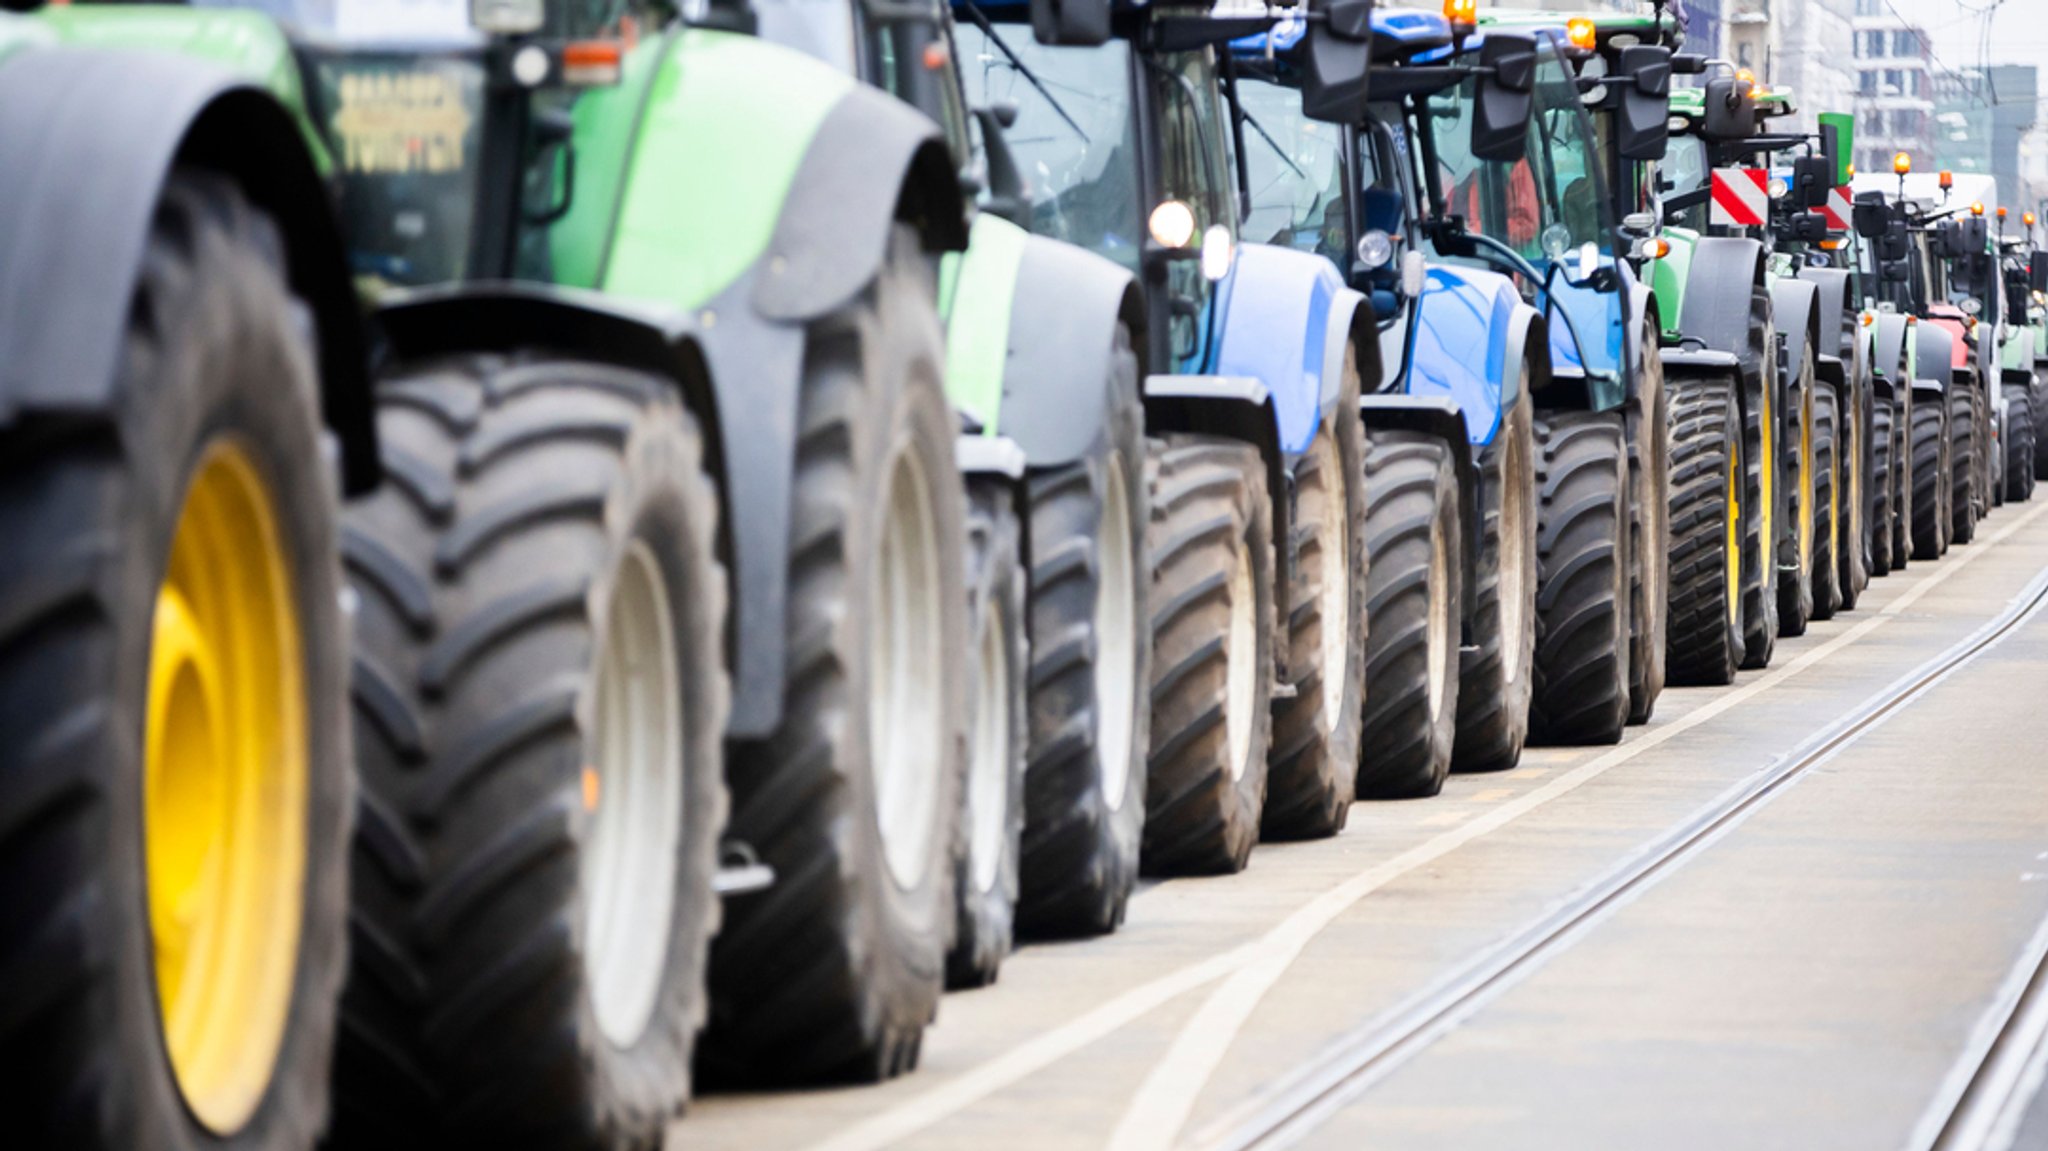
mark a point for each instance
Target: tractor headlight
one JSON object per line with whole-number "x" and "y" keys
{"x": 1375, "y": 249}
{"x": 1172, "y": 225}
{"x": 1218, "y": 250}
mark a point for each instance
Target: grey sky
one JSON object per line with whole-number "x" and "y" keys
{"x": 2019, "y": 29}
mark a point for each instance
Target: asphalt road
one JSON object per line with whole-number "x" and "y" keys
{"x": 1794, "y": 912}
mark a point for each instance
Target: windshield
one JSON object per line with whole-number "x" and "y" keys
{"x": 1684, "y": 169}
{"x": 1297, "y": 174}
{"x": 1075, "y": 143}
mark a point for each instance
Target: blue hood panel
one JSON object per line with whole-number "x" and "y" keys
{"x": 1461, "y": 330}
{"x": 1274, "y": 315}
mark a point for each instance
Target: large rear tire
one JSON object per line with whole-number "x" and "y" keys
{"x": 833, "y": 973}
{"x": 540, "y": 713}
{"x": 1705, "y": 638}
{"x": 1929, "y": 462}
{"x": 2019, "y": 445}
{"x": 1881, "y": 508}
{"x": 175, "y": 782}
{"x": 1902, "y": 480}
{"x": 1964, "y": 473}
{"x": 1212, "y": 652}
{"x": 1795, "y": 550}
{"x": 2037, "y": 404}
{"x": 1649, "y": 469}
{"x": 1852, "y": 451}
{"x": 1314, "y": 772}
{"x": 992, "y": 802}
{"x": 1828, "y": 503}
{"x": 1763, "y": 497}
{"x": 1091, "y": 658}
{"x": 1493, "y": 674}
{"x": 1413, "y": 593}
{"x": 1582, "y": 591}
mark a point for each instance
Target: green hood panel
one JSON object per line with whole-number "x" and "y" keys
{"x": 726, "y": 124}
{"x": 1668, "y": 276}
{"x": 978, "y": 287}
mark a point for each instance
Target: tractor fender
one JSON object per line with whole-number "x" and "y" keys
{"x": 1440, "y": 419}
{"x": 1469, "y": 325}
{"x": 1831, "y": 306}
{"x": 1793, "y": 304}
{"x": 1062, "y": 327}
{"x": 87, "y": 139}
{"x": 1353, "y": 325}
{"x": 1893, "y": 350}
{"x": 1725, "y": 271}
{"x": 1277, "y": 317}
{"x": 1526, "y": 328}
{"x": 1934, "y": 348}
{"x": 1831, "y": 371}
{"x": 1642, "y": 302}
{"x": 873, "y": 161}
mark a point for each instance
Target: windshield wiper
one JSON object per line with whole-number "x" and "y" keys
{"x": 1270, "y": 142}
{"x": 988, "y": 29}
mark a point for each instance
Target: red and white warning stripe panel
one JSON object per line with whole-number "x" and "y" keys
{"x": 1742, "y": 197}
{"x": 1838, "y": 209}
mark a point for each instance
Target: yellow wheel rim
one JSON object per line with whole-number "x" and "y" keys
{"x": 1733, "y": 552}
{"x": 1806, "y": 497}
{"x": 225, "y": 791}
{"x": 1768, "y": 561}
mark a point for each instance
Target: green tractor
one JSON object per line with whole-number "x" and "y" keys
{"x": 1046, "y": 356}
{"x": 662, "y": 596}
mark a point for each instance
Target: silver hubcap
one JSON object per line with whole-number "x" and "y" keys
{"x": 1514, "y": 591}
{"x": 1116, "y": 638}
{"x": 905, "y": 690}
{"x": 1439, "y": 622}
{"x": 1334, "y": 539}
{"x": 988, "y": 791}
{"x": 634, "y": 791}
{"x": 1238, "y": 664}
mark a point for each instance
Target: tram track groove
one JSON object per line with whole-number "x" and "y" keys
{"x": 1285, "y": 1113}
{"x": 1982, "y": 1102}
{"x": 1156, "y": 1117}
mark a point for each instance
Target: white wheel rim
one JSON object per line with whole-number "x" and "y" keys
{"x": 988, "y": 791}
{"x": 905, "y": 690}
{"x": 1116, "y": 638}
{"x": 1439, "y": 622}
{"x": 1238, "y": 662}
{"x": 1334, "y": 540}
{"x": 1513, "y": 584}
{"x": 634, "y": 793}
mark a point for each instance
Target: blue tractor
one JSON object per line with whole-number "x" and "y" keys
{"x": 1124, "y": 137}
{"x": 1465, "y": 195}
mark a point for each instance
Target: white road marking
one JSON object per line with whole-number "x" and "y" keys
{"x": 1157, "y": 1113}
{"x": 1161, "y": 1104}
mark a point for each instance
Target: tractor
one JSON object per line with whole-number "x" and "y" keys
{"x": 1122, "y": 123}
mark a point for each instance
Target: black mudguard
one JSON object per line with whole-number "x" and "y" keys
{"x": 1794, "y": 304}
{"x": 1725, "y": 270}
{"x": 1934, "y": 347}
{"x": 874, "y": 160}
{"x": 1837, "y": 320}
{"x": 1438, "y": 418}
{"x": 1062, "y": 326}
{"x": 87, "y": 139}
{"x": 1889, "y": 370}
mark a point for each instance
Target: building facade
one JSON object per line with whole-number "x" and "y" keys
{"x": 1894, "y": 88}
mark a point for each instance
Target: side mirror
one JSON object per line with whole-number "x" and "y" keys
{"x": 1080, "y": 23}
{"x": 1837, "y": 129}
{"x": 1813, "y": 176}
{"x": 2037, "y": 273}
{"x": 1870, "y": 217}
{"x": 1007, "y": 196}
{"x": 1643, "y": 122}
{"x": 1506, "y": 97}
{"x": 1335, "y": 63}
{"x": 1894, "y": 248}
{"x": 1729, "y": 113}
{"x": 1894, "y": 271}
{"x": 1811, "y": 227}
